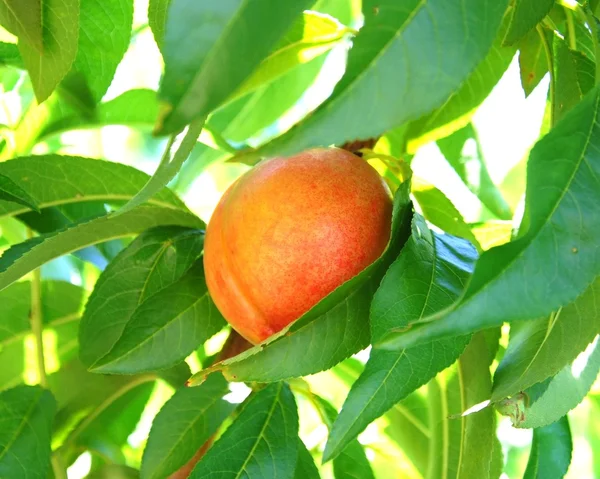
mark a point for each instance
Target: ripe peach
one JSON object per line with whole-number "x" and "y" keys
{"x": 290, "y": 231}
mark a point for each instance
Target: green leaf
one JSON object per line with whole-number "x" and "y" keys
{"x": 441, "y": 212}
{"x": 197, "y": 38}
{"x": 246, "y": 117}
{"x": 170, "y": 164}
{"x": 105, "y": 30}
{"x": 551, "y": 451}
{"x": 9, "y": 55}
{"x": 155, "y": 260}
{"x": 533, "y": 63}
{"x": 428, "y": 275}
{"x": 573, "y": 77}
{"x": 115, "y": 423}
{"x": 23, "y": 18}
{"x": 26, "y": 414}
{"x": 184, "y": 423}
{"x": 157, "y": 18}
{"x": 352, "y": 462}
{"x": 541, "y": 348}
{"x": 408, "y": 426}
{"x": 166, "y": 328}
{"x": 60, "y": 38}
{"x": 471, "y": 168}
{"x": 11, "y": 191}
{"x": 462, "y": 446}
{"x": 386, "y": 62}
{"x": 424, "y": 278}
{"x": 262, "y": 441}
{"x": 31, "y": 254}
{"x": 525, "y": 16}
{"x": 305, "y": 466}
{"x": 54, "y": 180}
{"x": 563, "y": 191}
{"x": 62, "y": 305}
{"x": 310, "y": 36}
{"x": 460, "y": 105}
{"x": 305, "y": 347}
{"x": 538, "y": 407}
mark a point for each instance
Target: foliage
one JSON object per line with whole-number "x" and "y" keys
{"x": 483, "y": 305}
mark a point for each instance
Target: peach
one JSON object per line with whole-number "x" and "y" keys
{"x": 290, "y": 231}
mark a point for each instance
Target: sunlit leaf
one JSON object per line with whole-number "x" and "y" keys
{"x": 261, "y": 442}
{"x": 24, "y": 19}
{"x": 183, "y": 424}
{"x": 60, "y": 29}
{"x": 540, "y": 349}
{"x": 463, "y": 151}
{"x": 457, "y": 110}
{"x": 386, "y": 62}
{"x": 441, "y": 212}
{"x": 197, "y": 38}
{"x": 105, "y": 29}
{"x": 559, "y": 394}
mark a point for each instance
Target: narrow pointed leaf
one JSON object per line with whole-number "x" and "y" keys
{"x": 31, "y": 254}
{"x": 261, "y": 442}
{"x": 155, "y": 260}
{"x": 54, "y": 180}
{"x": 573, "y": 77}
{"x": 23, "y": 18}
{"x": 472, "y": 170}
{"x": 457, "y": 110}
{"x": 409, "y": 428}
{"x": 197, "y": 38}
{"x": 352, "y": 462}
{"x": 386, "y": 62}
{"x": 183, "y": 425}
{"x": 541, "y": 348}
{"x": 441, "y": 212}
{"x": 60, "y": 30}
{"x": 305, "y": 467}
{"x": 423, "y": 279}
{"x": 105, "y": 30}
{"x": 157, "y": 18}
{"x": 168, "y": 168}
{"x": 563, "y": 192}
{"x": 551, "y": 451}
{"x": 525, "y": 16}
{"x": 463, "y": 446}
{"x": 26, "y": 414}
{"x": 310, "y": 36}
{"x": 166, "y": 328}
{"x": 11, "y": 191}
{"x": 306, "y": 346}
{"x": 533, "y": 62}
{"x": 559, "y": 395}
